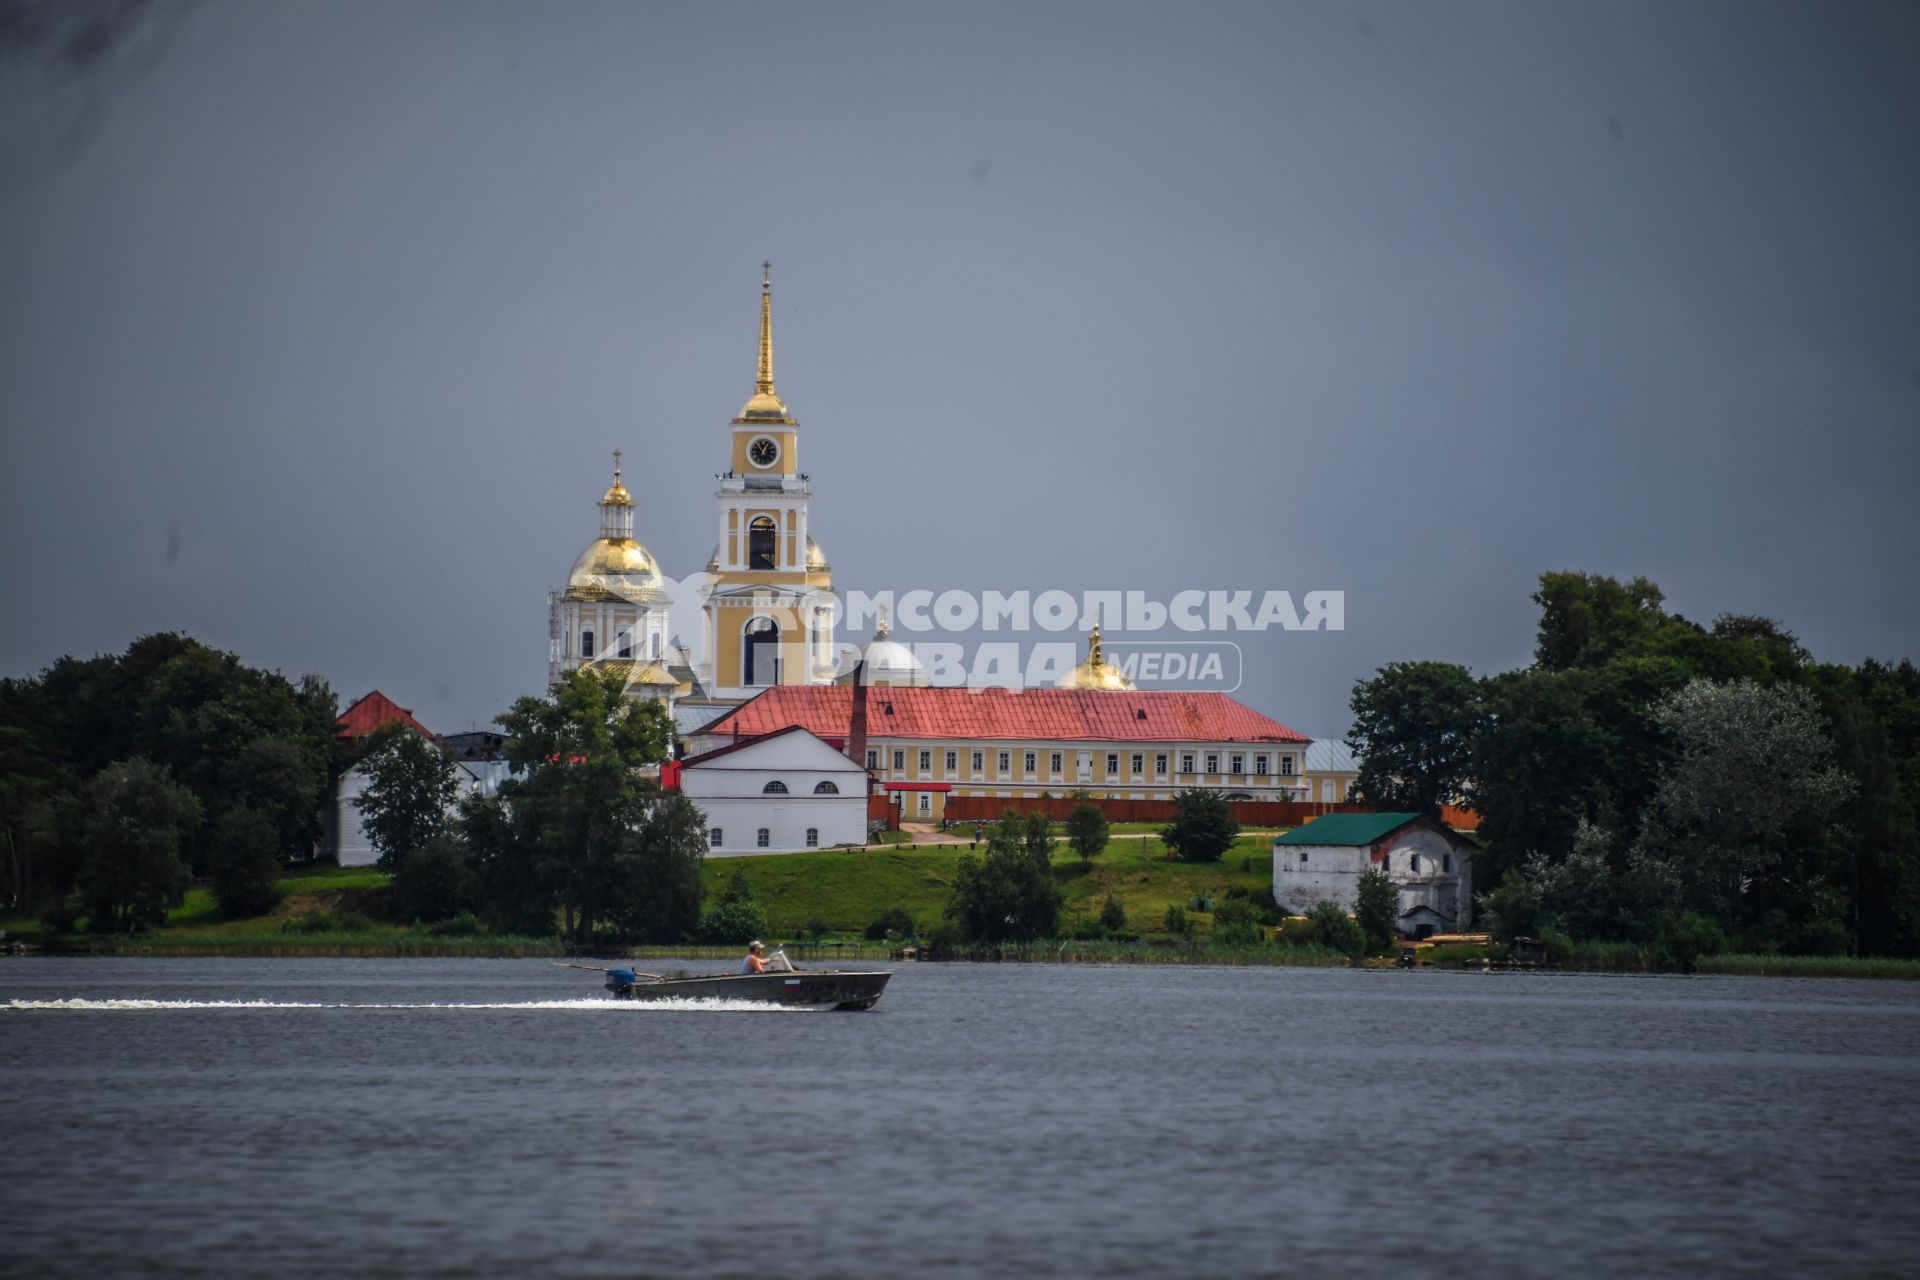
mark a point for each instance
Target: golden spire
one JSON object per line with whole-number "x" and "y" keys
{"x": 1093, "y": 655}
{"x": 765, "y": 405}
{"x": 764, "y": 385}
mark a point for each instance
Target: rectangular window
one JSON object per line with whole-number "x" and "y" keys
{"x": 1286, "y": 766}
{"x": 1029, "y": 762}
{"x": 1446, "y": 863}
{"x": 1006, "y": 761}
{"x": 1303, "y": 857}
{"x": 761, "y": 838}
{"x": 899, "y": 762}
{"x": 813, "y": 837}
{"x": 1113, "y": 763}
{"x": 926, "y": 803}
{"x": 1238, "y": 766}
{"x": 1138, "y": 761}
{"x": 1213, "y": 762}
{"x": 586, "y": 644}
{"x": 926, "y": 762}
{"x": 1053, "y": 762}
{"x": 656, "y": 644}
{"x": 626, "y": 644}
{"x": 1260, "y": 766}
{"x": 979, "y": 761}
{"x": 953, "y": 761}
{"x": 1186, "y": 762}
{"x": 713, "y": 837}
{"x": 873, "y": 758}
{"x": 1160, "y": 763}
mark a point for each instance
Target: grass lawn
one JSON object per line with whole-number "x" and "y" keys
{"x": 847, "y": 889}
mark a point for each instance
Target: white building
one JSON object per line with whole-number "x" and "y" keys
{"x": 1430, "y": 866}
{"x": 780, "y": 793}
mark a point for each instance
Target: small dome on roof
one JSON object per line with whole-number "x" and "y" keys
{"x": 1094, "y": 673}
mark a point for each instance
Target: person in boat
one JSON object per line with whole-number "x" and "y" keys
{"x": 753, "y": 963}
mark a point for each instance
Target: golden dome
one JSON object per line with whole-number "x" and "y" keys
{"x": 1094, "y": 673}
{"x": 616, "y": 496}
{"x": 618, "y": 568}
{"x": 764, "y": 406}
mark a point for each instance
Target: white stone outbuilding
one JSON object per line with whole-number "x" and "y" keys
{"x": 1430, "y": 865}
{"x": 780, "y": 793}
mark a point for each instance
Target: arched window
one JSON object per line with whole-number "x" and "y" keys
{"x": 760, "y": 838}
{"x": 760, "y": 655}
{"x": 760, "y": 544}
{"x": 774, "y": 788}
{"x": 713, "y": 837}
{"x": 825, "y": 789}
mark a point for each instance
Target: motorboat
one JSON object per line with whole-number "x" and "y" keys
{"x": 781, "y": 984}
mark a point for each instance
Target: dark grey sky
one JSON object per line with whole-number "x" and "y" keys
{"x": 318, "y": 320}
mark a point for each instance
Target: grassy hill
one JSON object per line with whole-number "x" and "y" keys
{"x": 846, "y": 889}
{"x": 329, "y": 909}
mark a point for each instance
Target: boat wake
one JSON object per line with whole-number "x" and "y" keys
{"x": 590, "y": 1005}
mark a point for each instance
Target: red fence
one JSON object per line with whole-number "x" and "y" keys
{"x": 1248, "y": 813}
{"x": 881, "y": 806}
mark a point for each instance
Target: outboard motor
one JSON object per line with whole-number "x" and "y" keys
{"x": 620, "y": 982}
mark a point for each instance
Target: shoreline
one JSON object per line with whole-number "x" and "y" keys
{"x": 1118, "y": 954}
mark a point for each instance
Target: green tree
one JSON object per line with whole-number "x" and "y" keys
{"x": 1336, "y": 930}
{"x": 246, "y": 867}
{"x": 1113, "y": 915}
{"x": 1586, "y": 619}
{"x": 1175, "y": 921}
{"x": 410, "y": 793}
{"x": 735, "y": 919}
{"x": 1203, "y": 828}
{"x": 1414, "y": 726}
{"x": 137, "y": 820}
{"x": 1087, "y": 831}
{"x": 436, "y": 882}
{"x": 512, "y": 893}
{"x": 582, "y": 797}
{"x": 660, "y": 889}
{"x": 1742, "y": 823}
{"x": 1376, "y": 911}
{"x": 1010, "y": 894}
{"x": 1037, "y": 835}
{"x": 281, "y": 779}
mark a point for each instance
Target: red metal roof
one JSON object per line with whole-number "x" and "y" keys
{"x": 917, "y": 786}
{"x": 373, "y": 711}
{"x": 1047, "y": 715}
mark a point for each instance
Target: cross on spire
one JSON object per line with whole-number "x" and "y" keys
{"x": 616, "y": 466}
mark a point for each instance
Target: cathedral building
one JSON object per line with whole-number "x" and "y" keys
{"x": 766, "y": 604}
{"x": 767, "y": 660}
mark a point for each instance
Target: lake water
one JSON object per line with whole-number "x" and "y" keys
{"x": 492, "y": 1118}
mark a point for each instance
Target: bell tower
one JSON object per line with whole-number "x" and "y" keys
{"x": 768, "y": 604}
